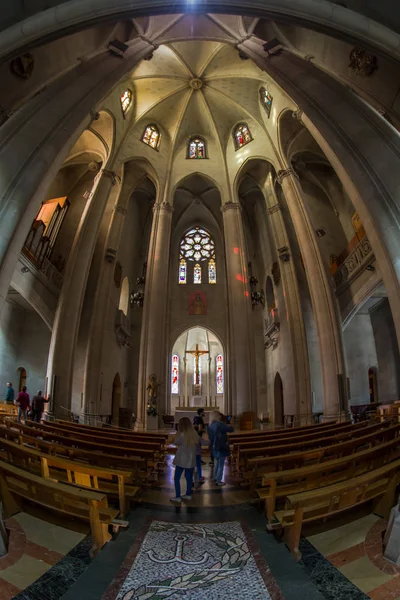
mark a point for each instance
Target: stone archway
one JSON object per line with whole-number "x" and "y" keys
{"x": 202, "y": 382}
{"x": 21, "y": 371}
{"x": 116, "y": 399}
{"x": 278, "y": 401}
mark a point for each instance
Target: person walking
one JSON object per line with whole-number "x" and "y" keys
{"x": 38, "y": 407}
{"x": 185, "y": 458}
{"x": 198, "y": 474}
{"x": 22, "y": 401}
{"x": 10, "y": 394}
{"x": 217, "y": 434}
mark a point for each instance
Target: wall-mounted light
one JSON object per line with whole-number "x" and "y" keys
{"x": 370, "y": 268}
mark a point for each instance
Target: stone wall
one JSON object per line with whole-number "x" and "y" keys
{"x": 387, "y": 353}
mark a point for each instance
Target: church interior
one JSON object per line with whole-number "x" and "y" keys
{"x": 200, "y": 219}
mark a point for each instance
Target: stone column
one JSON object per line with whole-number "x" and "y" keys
{"x": 153, "y": 350}
{"x": 294, "y": 313}
{"x": 239, "y": 311}
{"x": 36, "y": 140}
{"x": 363, "y": 148}
{"x": 66, "y": 323}
{"x": 185, "y": 381}
{"x": 95, "y": 346}
{"x": 323, "y": 300}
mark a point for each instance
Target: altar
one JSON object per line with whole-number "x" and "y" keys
{"x": 190, "y": 412}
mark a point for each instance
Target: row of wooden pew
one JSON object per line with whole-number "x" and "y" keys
{"x": 316, "y": 471}
{"x": 76, "y": 470}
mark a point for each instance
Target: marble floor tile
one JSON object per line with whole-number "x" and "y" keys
{"x": 46, "y": 534}
{"x": 387, "y": 591}
{"x": 338, "y": 539}
{"x": 7, "y": 590}
{"x": 25, "y": 571}
{"x": 364, "y": 574}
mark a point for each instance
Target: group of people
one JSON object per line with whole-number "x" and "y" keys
{"x": 24, "y": 404}
{"x": 189, "y": 442}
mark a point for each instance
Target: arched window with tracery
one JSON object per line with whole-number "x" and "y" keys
{"x": 198, "y": 246}
{"x": 219, "y": 370}
{"x": 266, "y": 100}
{"x": 197, "y": 148}
{"x": 126, "y": 100}
{"x": 151, "y": 136}
{"x": 242, "y": 135}
{"x": 175, "y": 374}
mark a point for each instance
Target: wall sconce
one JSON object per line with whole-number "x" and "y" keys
{"x": 257, "y": 297}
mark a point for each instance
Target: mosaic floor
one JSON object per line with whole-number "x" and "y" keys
{"x": 212, "y": 560}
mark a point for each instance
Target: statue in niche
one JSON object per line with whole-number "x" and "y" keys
{"x": 197, "y": 304}
{"x": 363, "y": 63}
{"x": 23, "y": 65}
{"x": 152, "y": 388}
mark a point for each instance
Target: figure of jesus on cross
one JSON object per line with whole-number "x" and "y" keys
{"x": 197, "y": 353}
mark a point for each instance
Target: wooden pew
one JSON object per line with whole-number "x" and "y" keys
{"x": 279, "y": 484}
{"x": 113, "y": 431}
{"x": 17, "y": 484}
{"x": 135, "y": 465}
{"x": 240, "y": 448}
{"x": 271, "y": 450}
{"x": 378, "y": 485}
{"x": 131, "y": 444}
{"x": 260, "y": 465}
{"x": 8, "y": 409}
{"x": 238, "y": 436}
{"x": 276, "y": 440}
{"x": 150, "y": 457}
{"x": 114, "y": 483}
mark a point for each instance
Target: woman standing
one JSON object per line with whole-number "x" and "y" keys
{"x": 219, "y": 445}
{"x": 185, "y": 458}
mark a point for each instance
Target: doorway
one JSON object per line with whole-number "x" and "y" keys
{"x": 373, "y": 384}
{"x": 278, "y": 401}
{"x": 116, "y": 400}
{"x": 22, "y": 378}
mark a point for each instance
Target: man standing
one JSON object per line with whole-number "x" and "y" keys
{"x": 22, "y": 402}
{"x": 38, "y": 407}
{"x": 10, "y": 394}
{"x": 198, "y": 424}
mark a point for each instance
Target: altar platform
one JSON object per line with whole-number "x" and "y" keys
{"x": 191, "y": 411}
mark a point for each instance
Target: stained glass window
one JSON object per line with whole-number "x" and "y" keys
{"x": 197, "y": 148}
{"x": 182, "y": 271}
{"x": 151, "y": 136}
{"x": 126, "y": 100}
{"x": 175, "y": 375}
{"x": 194, "y": 370}
{"x": 220, "y": 374}
{"x": 197, "y": 273}
{"x": 242, "y": 136}
{"x": 212, "y": 271}
{"x": 197, "y": 245}
{"x": 266, "y": 99}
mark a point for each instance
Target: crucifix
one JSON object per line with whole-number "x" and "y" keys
{"x": 197, "y": 353}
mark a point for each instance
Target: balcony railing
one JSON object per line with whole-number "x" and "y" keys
{"x": 354, "y": 264}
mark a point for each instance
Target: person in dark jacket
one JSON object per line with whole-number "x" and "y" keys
{"x": 10, "y": 394}
{"x": 38, "y": 407}
{"x": 22, "y": 401}
{"x": 217, "y": 431}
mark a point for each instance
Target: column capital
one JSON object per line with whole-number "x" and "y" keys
{"x": 163, "y": 206}
{"x": 281, "y": 175}
{"x": 230, "y": 206}
{"x": 112, "y": 175}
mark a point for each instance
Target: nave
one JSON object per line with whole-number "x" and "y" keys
{"x": 141, "y": 546}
